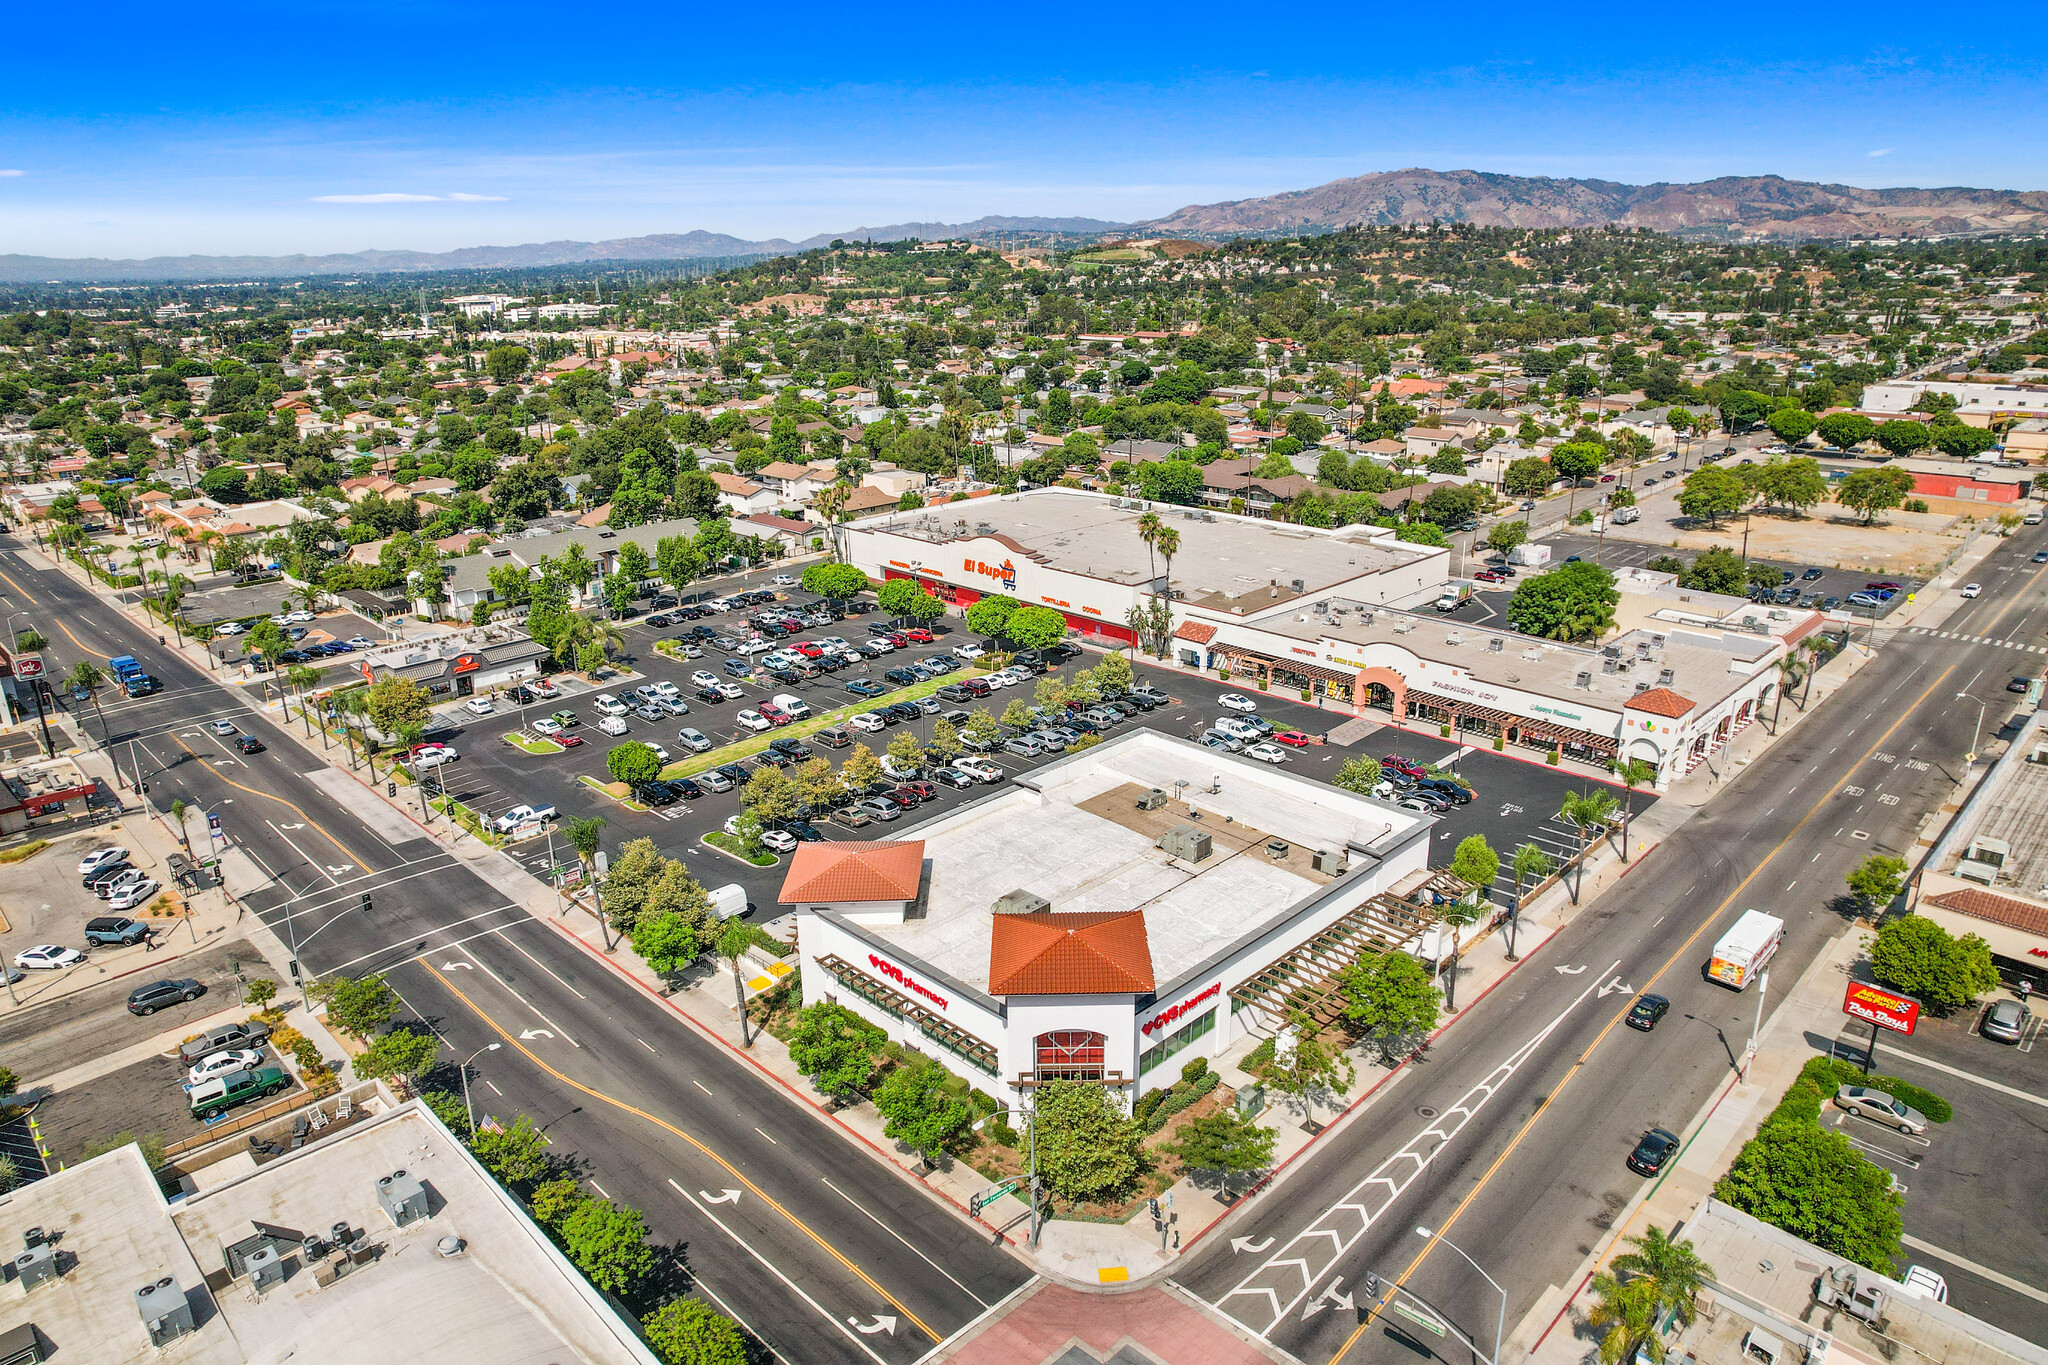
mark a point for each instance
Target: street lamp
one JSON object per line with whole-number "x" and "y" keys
{"x": 1501, "y": 1324}
{"x": 467, "y": 1107}
{"x": 1031, "y": 1157}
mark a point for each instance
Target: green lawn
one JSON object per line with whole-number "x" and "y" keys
{"x": 726, "y": 844}
{"x": 754, "y": 744}
{"x": 536, "y": 747}
{"x": 599, "y": 788}
{"x": 467, "y": 818}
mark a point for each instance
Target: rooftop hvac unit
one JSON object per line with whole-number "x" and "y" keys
{"x": 1642, "y": 649}
{"x": 1610, "y": 665}
{"x": 1657, "y": 641}
{"x": 1152, "y": 800}
{"x": 1021, "y": 903}
{"x": 37, "y": 1265}
{"x": 1333, "y": 864}
{"x": 1322, "y": 608}
{"x": 1455, "y": 638}
{"x": 1403, "y": 627}
{"x": 1495, "y": 645}
{"x": 1664, "y": 676}
{"x": 265, "y": 1268}
{"x": 164, "y": 1310}
{"x": 1186, "y": 843}
{"x": 1300, "y": 584}
{"x": 1585, "y": 679}
{"x": 1992, "y": 851}
{"x": 1642, "y": 687}
{"x": 1970, "y": 870}
{"x": 402, "y": 1197}
{"x": 1533, "y": 655}
{"x": 1611, "y": 651}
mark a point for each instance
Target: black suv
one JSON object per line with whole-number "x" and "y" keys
{"x": 655, "y": 794}
{"x": 157, "y": 994}
{"x": 115, "y": 929}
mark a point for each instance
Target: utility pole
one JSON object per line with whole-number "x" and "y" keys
{"x": 1763, "y": 986}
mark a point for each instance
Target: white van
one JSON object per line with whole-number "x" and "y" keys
{"x": 796, "y": 706}
{"x": 2032, "y": 519}
{"x": 729, "y": 900}
{"x": 1746, "y": 949}
{"x": 608, "y": 705}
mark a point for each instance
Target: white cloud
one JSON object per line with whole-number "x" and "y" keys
{"x": 6, "y": 174}
{"x": 408, "y": 198}
{"x": 1882, "y": 151}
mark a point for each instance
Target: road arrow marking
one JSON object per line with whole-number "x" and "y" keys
{"x": 1329, "y": 1298}
{"x": 453, "y": 966}
{"x": 300, "y": 826}
{"x": 1571, "y": 971}
{"x": 725, "y": 1197}
{"x": 1247, "y": 1244}
{"x": 882, "y": 1323}
{"x": 536, "y": 1033}
{"x": 334, "y": 871}
{"x": 1616, "y": 985}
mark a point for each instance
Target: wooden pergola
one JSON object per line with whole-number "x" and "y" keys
{"x": 1304, "y": 979}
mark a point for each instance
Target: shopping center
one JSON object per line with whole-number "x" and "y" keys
{"x": 1345, "y": 618}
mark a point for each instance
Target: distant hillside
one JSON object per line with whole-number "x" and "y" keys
{"x": 1733, "y": 206}
{"x": 978, "y": 230}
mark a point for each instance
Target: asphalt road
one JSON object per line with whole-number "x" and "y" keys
{"x": 1508, "y": 1139}
{"x": 649, "y": 1111}
{"x": 73, "y": 1028}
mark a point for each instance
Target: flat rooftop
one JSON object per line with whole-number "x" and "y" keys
{"x": 508, "y": 1297}
{"x": 1072, "y": 833}
{"x": 1224, "y": 563}
{"x": 2016, "y": 810}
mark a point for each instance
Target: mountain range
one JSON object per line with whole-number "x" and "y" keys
{"x": 1764, "y": 207}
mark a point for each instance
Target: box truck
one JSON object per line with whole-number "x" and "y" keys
{"x": 1529, "y": 555}
{"x": 1746, "y": 949}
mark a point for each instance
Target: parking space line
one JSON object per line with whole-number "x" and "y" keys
{"x": 1961, "y": 1074}
{"x": 1982, "y": 1272}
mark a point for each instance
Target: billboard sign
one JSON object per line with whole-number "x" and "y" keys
{"x": 1886, "y": 1009}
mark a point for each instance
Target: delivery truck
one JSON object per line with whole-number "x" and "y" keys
{"x": 1529, "y": 556}
{"x": 1746, "y": 949}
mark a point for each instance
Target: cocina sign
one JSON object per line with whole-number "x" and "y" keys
{"x": 1886, "y": 1009}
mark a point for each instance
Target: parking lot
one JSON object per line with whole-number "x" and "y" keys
{"x": 95, "y": 1021}
{"x": 147, "y": 1099}
{"x": 1516, "y": 801}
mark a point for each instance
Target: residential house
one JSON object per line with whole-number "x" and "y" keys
{"x": 794, "y": 482}
{"x": 867, "y": 499}
{"x": 1423, "y": 442}
{"x": 743, "y": 495}
{"x": 894, "y": 481}
{"x": 792, "y": 535}
{"x": 469, "y": 576}
{"x": 1229, "y": 480}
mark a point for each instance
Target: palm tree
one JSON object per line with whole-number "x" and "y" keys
{"x": 1633, "y": 772}
{"x": 302, "y": 677}
{"x": 1530, "y": 864}
{"x": 733, "y": 940}
{"x": 410, "y": 735}
{"x": 1639, "y": 1287}
{"x": 1149, "y": 527}
{"x": 1168, "y": 541}
{"x": 86, "y": 677}
{"x": 1789, "y": 671}
{"x": 1583, "y": 811}
{"x": 309, "y": 594}
{"x": 1625, "y": 1313}
{"x": 1674, "y": 1267}
{"x": 353, "y": 705}
{"x": 1814, "y": 646}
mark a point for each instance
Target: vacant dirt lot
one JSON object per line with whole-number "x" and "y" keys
{"x": 1900, "y": 543}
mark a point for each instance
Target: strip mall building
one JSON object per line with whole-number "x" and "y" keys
{"x": 1345, "y": 617}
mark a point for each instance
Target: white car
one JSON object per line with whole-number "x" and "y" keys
{"x": 1267, "y": 753}
{"x": 224, "y": 728}
{"x": 968, "y": 651}
{"x": 868, "y": 722}
{"x": 666, "y": 691}
{"x": 546, "y": 726}
{"x": 782, "y": 580}
{"x": 540, "y": 687}
{"x": 753, "y": 647}
{"x": 1237, "y": 701}
{"x": 979, "y": 769}
{"x": 902, "y": 772}
{"x": 754, "y": 720}
{"x": 1239, "y": 729}
{"x": 479, "y": 706}
{"x": 1972, "y": 589}
{"x": 229, "y": 628}
{"x": 365, "y": 642}
{"x": 703, "y": 679}
{"x": 296, "y": 618}
{"x": 220, "y": 1063}
{"x": 659, "y": 752}
{"x": 606, "y": 704}
{"x": 731, "y": 691}
{"x": 47, "y": 957}
{"x": 101, "y": 857}
{"x": 781, "y": 840}
{"x": 877, "y": 648}
{"x": 612, "y": 725}
{"x": 434, "y": 756}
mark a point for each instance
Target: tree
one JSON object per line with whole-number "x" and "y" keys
{"x": 770, "y": 796}
{"x": 403, "y": 1052}
{"x": 1633, "y": 772}
{"x": 687, "y": 1332}
{"x": 1791, "y": 425}
{"x": 1224, "y": 1141}
{"x": 1711, "y": 493}
{"x": 1674, "y": 1268}
{"x": 584, "y": 834}
{"x": 1528, "y": 476}
{"x": 989, "y": 616}
{"x": 1569, "y": 602}
{"x": 86, "y": 677}
{"x": 633, "y": 763}
{"x": 1314, "y": 1067}
{"x": 1810, "y": 1182}
{"x": 734, "y": 938}
{"x": 631, "y": 880}
{"x": 1087, "y": 1147}
{"x": 836, "y": 581}
{"x": 902, "y": 597}
{"x": 1720, "y": 570}
{"x": 1035, "y": 627}
{"x": 517, "y": 1156}
{"x": 260, "y": 992}
{"x": 1391, "y": 999}
{"x": 1798, "y": 484}
{"x": 1113, "y": 675}
{"x": 1877, "y": 879}
{"x": 1017, "y": 714}
{"x": 835, "y": 1047}
{"x": 507, "y": 362}
{"x": 921, "y": 1112}
{"x": 356, "y": 1005}
{"x": 1624, "y": 1312}
{"x": 1503, "y": 536}
{"x": 1359, "y": 775}
{"x": 1530, "y": 865}
{"x": 982, "y": 727}
{"x": 1576, "y": 460}
{"x": 1962, "y": 441}
{"x": 906, "y": 750}
{"x": 1901, "y": 437}
{"x": 1871, "y": 491}
{"x": 1475, "y": 863}
{"x": 945, "y": 738}
{"x": 1914, "y": 954}
{"x": 667, "y": 943}
{"x": 1585, "y": 812}
{"x": 608, "y": 1243}
{"x": 397, "y": 704}
{"x": 1846, "y": 430}
{"x": 861, "y": 768}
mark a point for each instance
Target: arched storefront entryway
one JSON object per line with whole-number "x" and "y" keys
{"x": 1382, "y": 689}
{"x": 1069, "y": 1055}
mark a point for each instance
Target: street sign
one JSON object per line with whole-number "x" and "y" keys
{"x": 1425, "y": 1320}
{"x": 1886, "y": 1009}
{"x": 29, "y": 666}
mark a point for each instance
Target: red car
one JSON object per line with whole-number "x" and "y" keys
{"x": 915, "y": 792}
{"x": 568, "y": 741}
{"x": 1406, "y": 767}
{"x": 808, "y": 650}
{"x": 900, "y": 639}
{"x": 774, "y": 715}
{"x": 1884, "y": 585}
{"x": 918, "y": 634}
{"x": 1293, "y": 739}
{"x": 1490, "y": 576}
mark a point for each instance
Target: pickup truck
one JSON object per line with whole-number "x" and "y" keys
{"x": 523, "y": 815}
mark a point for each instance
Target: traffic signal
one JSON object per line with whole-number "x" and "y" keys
{"x": 364, "y": 903}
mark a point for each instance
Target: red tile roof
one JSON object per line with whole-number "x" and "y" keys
{"x": 1195, "y": 630}
{"x": 1045, "y": 953}
{"x": 838, "y": 873}
{"x": 1989, "y": 905}
{"x": 1659, "y": 701}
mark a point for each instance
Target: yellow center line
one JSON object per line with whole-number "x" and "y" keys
{"x": 1592, "y": 1047}
{"x": 18, "y": 588}
{"x": 80, "y": 643}
{"x": 291, "y": 806}
{"x": 665, "y": 1125}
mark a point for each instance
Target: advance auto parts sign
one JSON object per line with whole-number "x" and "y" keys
{"x": 1886, "y": 1009}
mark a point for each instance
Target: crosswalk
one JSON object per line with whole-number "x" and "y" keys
{"x": 1976, "y": 639}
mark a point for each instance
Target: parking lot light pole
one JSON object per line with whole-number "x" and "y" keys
{"x": 1501, "y": 1323}
{"x": 467, "y": 1107}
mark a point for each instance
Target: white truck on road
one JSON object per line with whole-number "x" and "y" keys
{"x": 523, "y": 815}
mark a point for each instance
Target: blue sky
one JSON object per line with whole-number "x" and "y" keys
{"x": 134, "y": 130}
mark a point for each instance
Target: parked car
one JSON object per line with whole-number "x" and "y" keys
{"x": 2005, "y": 1021}
{"x": 754, "y": 720}
{"x": 104, "y": 883}
{"x": 2019, "y": 684}
{"x": 1653, "y": 1151}
{"x": 479, "y": 706}
{"x": 1236, "y": 701}
{"x": 252, "y": 1033}
{"x": 114, "y": 931}
{"x": 1267, "y": 753}
{"x": 100, "y": 858}
{"x": 157, "y": 994}
{"x": 1293, "y": 739}
{"x": 834, "y": 738}
{"x": 1881, "y": 1107}
{"x": 1217, "y": 739}
{"x": 235, "y": 1059}
{"x": 128, "y": 895}
{"x": 879, "y": 808}
{"x": 212, "y": 1098}
{"x": 980, "y": 769}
